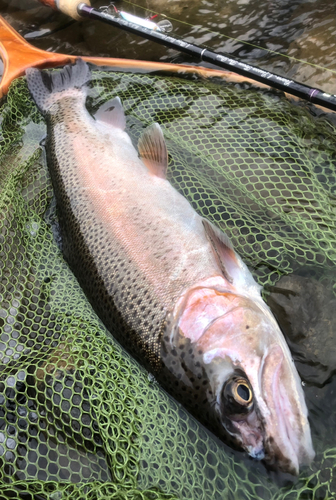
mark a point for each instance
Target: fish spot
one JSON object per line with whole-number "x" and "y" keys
{"x": 247, "y": 327}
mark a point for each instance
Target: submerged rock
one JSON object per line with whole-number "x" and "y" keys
{"x": 305, "y": 309}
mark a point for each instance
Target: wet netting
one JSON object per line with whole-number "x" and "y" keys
{"x": 79, "y": 418}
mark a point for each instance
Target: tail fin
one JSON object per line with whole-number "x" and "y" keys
{"x": 47, "y": 88}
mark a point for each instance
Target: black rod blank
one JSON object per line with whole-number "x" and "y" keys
{"x": 310, "y": 94}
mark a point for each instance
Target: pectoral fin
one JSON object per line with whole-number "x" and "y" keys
{"x": 153, "y": 151}
{"x": 112, "y": 113}
{"x": 223, "y": 251}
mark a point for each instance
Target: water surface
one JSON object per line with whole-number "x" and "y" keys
{"x": 296, "y": 39}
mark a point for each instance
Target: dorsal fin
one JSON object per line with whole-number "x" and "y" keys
{"x": 112, "y": 113}
{"x": 153, "y": 150}
{"x": 223, "y": 250}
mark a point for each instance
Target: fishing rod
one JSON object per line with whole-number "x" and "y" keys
{"x": 153, "y": 32}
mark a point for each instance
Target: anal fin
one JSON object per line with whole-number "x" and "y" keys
{"x": 153, "y": 150}
{"x": 112, "y": 113}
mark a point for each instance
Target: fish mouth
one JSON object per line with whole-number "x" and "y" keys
{"x": 277, "y": 431}
{"x": 288, "y": 441}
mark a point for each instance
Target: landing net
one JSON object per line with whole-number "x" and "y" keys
{"x": 79, "y": 418}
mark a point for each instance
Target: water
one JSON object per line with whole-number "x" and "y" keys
{"x": 296, "y": 39}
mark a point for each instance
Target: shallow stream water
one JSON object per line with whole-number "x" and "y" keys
{"x": 296, "y": 39}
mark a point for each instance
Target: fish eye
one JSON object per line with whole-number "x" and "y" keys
{"x": 242, "y": 392}
{"x": 237, "y": 396}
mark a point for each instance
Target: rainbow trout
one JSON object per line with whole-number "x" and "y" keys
{"x": 165, "y": 281}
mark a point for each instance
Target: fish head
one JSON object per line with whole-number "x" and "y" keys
{"x": 254, "y": 388}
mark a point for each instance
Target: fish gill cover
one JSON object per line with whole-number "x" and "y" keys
{"x": 78, "y": 417}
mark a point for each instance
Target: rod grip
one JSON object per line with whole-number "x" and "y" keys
{"x": 68, "y": 7}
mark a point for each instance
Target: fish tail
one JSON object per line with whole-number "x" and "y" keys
{"x": 47, "y": 88}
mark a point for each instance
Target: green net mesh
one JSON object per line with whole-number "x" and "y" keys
{"x": 79, "y": 419}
